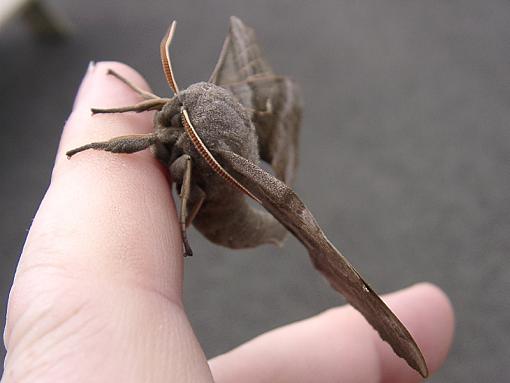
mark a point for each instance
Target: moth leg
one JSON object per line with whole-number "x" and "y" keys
{"x": 180, "y": 170}
{"x": 138, "y": 90}
{"x": 122, "y": 144}
{"x": 185, "y": 192}
{"x": 151, "y": 104}
{"x": 197, "y": 198}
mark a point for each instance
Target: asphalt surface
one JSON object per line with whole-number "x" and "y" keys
{"x": 405, "y": 156}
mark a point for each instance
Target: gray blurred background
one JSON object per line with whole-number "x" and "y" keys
{"x": 405, "y": 156}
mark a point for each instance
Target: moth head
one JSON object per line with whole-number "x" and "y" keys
{"x": 176, "y": 120}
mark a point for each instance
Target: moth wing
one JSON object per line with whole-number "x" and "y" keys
{"x": 240, "y": 57}
{"x": 285, "y": 205}
{"x": 272, "y": 101}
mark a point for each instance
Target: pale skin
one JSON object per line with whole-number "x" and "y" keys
{"x": 97, "y": 295}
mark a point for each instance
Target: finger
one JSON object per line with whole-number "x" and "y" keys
{"x": 108, "y": 215}
{"x": 340, "y": 346}
{"x": 97, "y": 293}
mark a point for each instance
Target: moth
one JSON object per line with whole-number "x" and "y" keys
{"x": 212, "y": 137}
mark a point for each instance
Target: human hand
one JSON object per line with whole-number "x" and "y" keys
{"x": 97, "y": 293}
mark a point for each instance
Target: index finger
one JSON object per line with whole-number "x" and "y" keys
{"x": 105, "y": 216}
{"x": 97, "y": 292}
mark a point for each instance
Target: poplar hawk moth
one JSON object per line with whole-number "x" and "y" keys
{"x": 213, "y": 136}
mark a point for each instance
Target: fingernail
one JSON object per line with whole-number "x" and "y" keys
{"x": 86, "y": 83}
{"x": 91, "y": 67}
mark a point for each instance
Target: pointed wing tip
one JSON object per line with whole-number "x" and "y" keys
{"x": 404, "y": 345}
{"x": 235, "y": 19}
{"x": 421, "y": 367}
{"x": 413, "y": 356}
{"x": 236, "y": 23}
{"x": 415, "y": 360}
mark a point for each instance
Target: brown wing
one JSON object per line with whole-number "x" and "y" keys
{"x": 284, "y": 204}
{"x": 273, "y": 101}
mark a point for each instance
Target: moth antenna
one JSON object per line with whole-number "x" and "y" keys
{"x": 209, "y": 158}
{"x": 165, "y": 57}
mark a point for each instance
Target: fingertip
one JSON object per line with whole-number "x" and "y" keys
{"x": 98, "y": 74}
{"x": 98, "y": 89}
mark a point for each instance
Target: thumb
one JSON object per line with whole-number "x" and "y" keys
{"x": 97, "y": 293}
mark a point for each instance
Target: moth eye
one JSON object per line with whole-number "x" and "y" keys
{"x": 176, "y": 121}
